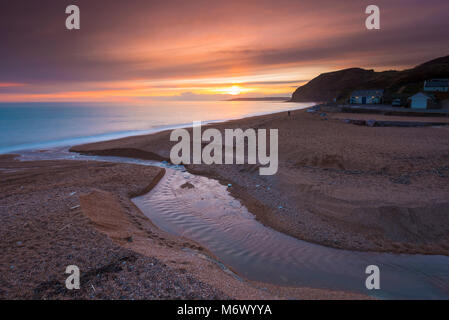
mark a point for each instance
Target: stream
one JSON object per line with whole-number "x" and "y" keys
{"x": 204, "y": 211}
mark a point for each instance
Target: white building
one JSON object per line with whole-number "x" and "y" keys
{"x": 436, "y": 85}
{"x": 419, "y": 101}
{"x": 366, "y": 97}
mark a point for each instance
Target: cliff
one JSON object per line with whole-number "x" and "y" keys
{"x": 339, "y": 84}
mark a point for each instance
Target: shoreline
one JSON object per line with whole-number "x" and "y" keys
{"x": 170, "y": 248}
{"x": 157, "y": 146}
{"x": 69, "y": 142}
{"x": 95, "y": 225}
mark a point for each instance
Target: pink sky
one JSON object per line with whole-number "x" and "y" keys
{"x": 138, "y": 50}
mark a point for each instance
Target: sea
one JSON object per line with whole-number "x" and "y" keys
{"x": 29, "y": 126}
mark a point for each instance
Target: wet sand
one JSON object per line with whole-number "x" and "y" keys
{"x": 202, "y": 209}
{"x": 340, "y": 185}
{"x": 59, "y": 213}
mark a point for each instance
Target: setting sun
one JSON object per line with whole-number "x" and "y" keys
{"x": 234, "y": 90}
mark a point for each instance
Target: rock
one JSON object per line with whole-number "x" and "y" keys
{"x": 358, "y": 122}
{"x": 403, "y": 179}
{"x": 371, "y": 123}
{"x": 187, "y": 185}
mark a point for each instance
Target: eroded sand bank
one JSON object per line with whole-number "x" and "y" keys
{"x": 345, "y": 186}
{"x": 58, "y": 213}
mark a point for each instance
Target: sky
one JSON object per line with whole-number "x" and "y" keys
{"x": 138, "y": 50}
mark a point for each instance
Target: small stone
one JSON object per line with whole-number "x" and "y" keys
{"x": 187, "y": 185}
{"x": 371, "y": 123}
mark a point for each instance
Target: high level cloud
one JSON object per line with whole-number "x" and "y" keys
{"x": 160, "y": 41}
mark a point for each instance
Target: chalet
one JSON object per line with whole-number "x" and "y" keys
{"x": 436, "y": 85}
{"x": 366, "y": 97}
{"x": 419, "y": 101}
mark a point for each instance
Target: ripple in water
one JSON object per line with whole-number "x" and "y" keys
{"x": 209, "y": 215}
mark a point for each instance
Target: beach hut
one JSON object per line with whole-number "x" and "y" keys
{"x": 366, "y": 97}
{"x": 436, "y": 85}
{"x": 419, "y": 101}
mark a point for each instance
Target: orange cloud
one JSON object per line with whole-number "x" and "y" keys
{"x": 10, "y": 84}
{"x": 166, "y": 48}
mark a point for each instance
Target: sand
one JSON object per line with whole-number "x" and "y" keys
{"x": 341, "y": 185}
{"x": 58, "y": 213}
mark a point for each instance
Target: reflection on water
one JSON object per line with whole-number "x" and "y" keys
{"x": 209, "y": 215}
{"x": 43, "y": 125}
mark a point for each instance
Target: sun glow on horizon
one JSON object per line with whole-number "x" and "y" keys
{"x": 160, "y": 89}
{"x": 233, "y": 90}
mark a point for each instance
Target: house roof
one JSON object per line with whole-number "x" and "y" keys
{"x": 436, "y": 83}
{"x": 420, "y": 95}
{"x": 375, "y": 93}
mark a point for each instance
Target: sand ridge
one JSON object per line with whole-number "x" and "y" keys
{"x": 341, "y": 185}
{"x": 58, "y": 213}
